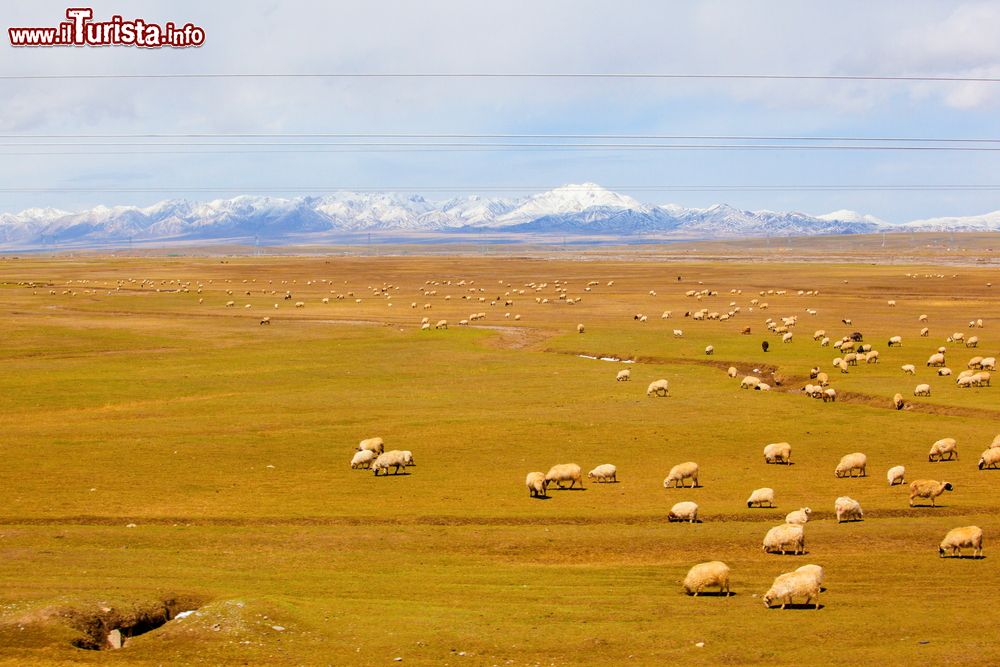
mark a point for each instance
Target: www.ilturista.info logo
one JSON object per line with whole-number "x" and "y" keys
{"x": 81, "y": 30}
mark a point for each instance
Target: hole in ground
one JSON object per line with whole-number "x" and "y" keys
{"x": 109, "y": 628}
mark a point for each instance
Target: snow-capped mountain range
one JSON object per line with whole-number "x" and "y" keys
{"x": 585, "y": 210}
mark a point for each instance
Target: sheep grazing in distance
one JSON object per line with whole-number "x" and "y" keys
{"x": 943, "y": 372}
{"x": 684, "y": 511}
{"x": 537, "y": 485}
{"x": 680, "y": 472}
{"x": 763, "y": 495}
{"x": 799, "y": 516}
{"x": 896, "y": 341}
{"x": 973, "y": 341}
{"x": 896, "y": 475}
{"x": 764, "y": 345}
{"x": 989, "y": 458}
{"x": 850, "y": 463}
{"x": 922, "y": 390}
{"x": 778, "y": 452}
{"x": 941, "y": 448}
{"x": 848, "y": 509}
{"x": 749, "y": 382}
{"x": 967, "y": 537}
{"x": 605, "y": 472}
{"x": 376, "y": 445}
{"x": 988, "y": 364}
{"x": 784, "y": 538}
{"x": 936, "y": 359}
{"x": 624, "y": 375}
{"x": 745, "y": 331}
{"x": 579, "y": 328}
{"x": 732, "y": 372}
{"x": 898, "y": 402}
{"x": 829, "y": 395}
{"x": 792, "y": 585}
{"x": 394, "y": 459}
{"x": 703, "y": 575}
{"x": 678, "y": 333}
{"x": 928, "y": 488}
{"x": 909, "y": 368}
{"x": 925, "y": 332}
{"x": 363, "y": 459}
{"x": 441, "y": 324}
{"x": 892, "y": 304}
{"x": 658, "y": 388}
{"x": 265, "y": 320}
{"x": 762, "y": 386}
{"x": 709, "y": 349}
{"x": 565, "y": 472}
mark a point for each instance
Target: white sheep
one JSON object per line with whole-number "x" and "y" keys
{"x": 678, "y": 333}
{"x": 605, "y": 472}
{"x": 376, "y": 445}
{"x": 896, "y": 475}
{"x": 624, "y": 375}
{"x": 408, "y": 458}
{"x": 659, "y": 388}
{"x": 990, "y": 458}
{"x": 684, "y": 511}
{"x": 871, "y": 357}
{"x": 749, "y": 382}
{"x": 896, "y": 341}
{"x": 792, "y": 585}
{"x": 363, "y": 459}
{"x": 973, "y": 341}
{"x": 732, "y": 372}
{"x": 850, "y": 463}
{"x": 829, "y": 395}
{"x": 928, "y": 488}
{"x": 936, "y": 359}
{"x": 579, "y": 328}
{"x": 799, "y": 516}
{"x": 922, "y": 390}
{"x": 565, "y": 472}
{"x": 787, "y": 338}
{"x": 709, "y": 350}
{"x": 762, "y": 386}
{"x": 441, "y": 324}
{"x": 898, "y": 402}
{"x": 702, "y": 575}
{"x": 537, "y": 485}
{"x": 969, "y": 537}
{"x": 848, "y": 509}
{"x": 909, "y": 368}
{"x": 941, "y": 448}
{"x": 762, "y": 495}
{"x": 785, "y": 537}
{"x": 394, "y": 459}
{"x": 988, "y": 364}
{"x": 944, "y": 372}
{"x": 778, "y": 452}
{"x": 680, "y": 472}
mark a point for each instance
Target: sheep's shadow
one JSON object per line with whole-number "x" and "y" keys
{"x": 798, "y": 606}
{"x": 568, "y": 488}
{"x": 545, "y": 497}
{"x": 933, "y": 507}
{"x": 395, "y": 474}
{"x": 684, "y": 521}
{"x": 963, "y": 557}
{"x": 787, "y": 553}
{"x": 711, "y": 594}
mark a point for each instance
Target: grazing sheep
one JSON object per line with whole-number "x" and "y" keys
{"x": 925, "y": 332}
{"x": 787, "y": 338}
{"x": 909, "y": 368}
{"x": 680, "y": 472}
{"x": 944, "y": 446}
{"x": 363, "y": 459}
{"x": 825, "y": 342}
{"x": 936, "y": 359}
{"x": 896, "y": 341}
{"x": 565, "y": 472}
{"x": 761, "y": 386}
{"x": 376, "y": 445}
{"x": 969, "y": 537}
{"x": 785, "y": 537}
{"x": 441, "y": 324}
{"x": 956, "y": 337}
{"x": 749, "y": 382}
{"x": 922, "y": 390}
{"x": 658, "y": 387}
{"x": 265, "y": 320}
{"x": 732, "y": 372}
{"x": 990, "y": 458}
{"x": 778, "y": 452}
{"x": 792, "y": 585}
{"x": 709, "y": 349}
{"x": 799, "y": 516}
{"x": 848, "y": 509}
{"x": 678, "y": 333}
{"x": 975, "y": 363}
{"x": 537, "y": 485}
{"x": 425, "y": 326}
{"x": 896, "y": 475}
{"x": 763, "y": 495}
{"x": 684, "y": 511}
{"x": 988, "y": 364}
{"x": 871, "y": 357}
{"x": 300, "y": 304}
{"x": 898, "y": 402}
{"x": 702, "y": 575}
{"x": 829, "y": 395}
{"x": 764, "y": 345}
{"x": 823, "y": 379}
{"x": 944, "y": 372}
{"x": 820, "y": 333}
{"x": 851, "y": 462}
{"x": 394, "y": 459}
{"x": 579, "y": 328}
{"x": 928, "y": 488}
{"x": 624, "y": 375}
{"x": 745, "y": 331}
{"x": 604, "y": 473}
{"x": 973, "y": 341}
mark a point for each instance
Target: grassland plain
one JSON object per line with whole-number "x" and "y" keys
{"x": 226, "y": 444}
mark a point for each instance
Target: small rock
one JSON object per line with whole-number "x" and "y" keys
{"x": 461, "y": 652}
{"x": 700, "y": 644}
{"x": 131, "y": 525}
{"x": 115, "y": 639}
{"x": 397, "y": 659}
{"x": 278, "y": 628}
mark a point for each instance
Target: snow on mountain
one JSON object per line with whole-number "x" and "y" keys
{"x": 585, "y": 208}
{"x": 988, "y": 222}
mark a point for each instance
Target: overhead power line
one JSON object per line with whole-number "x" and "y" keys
{"x": 507, "y": 75}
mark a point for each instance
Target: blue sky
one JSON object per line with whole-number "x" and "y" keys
{"x": 932, "y": 38}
